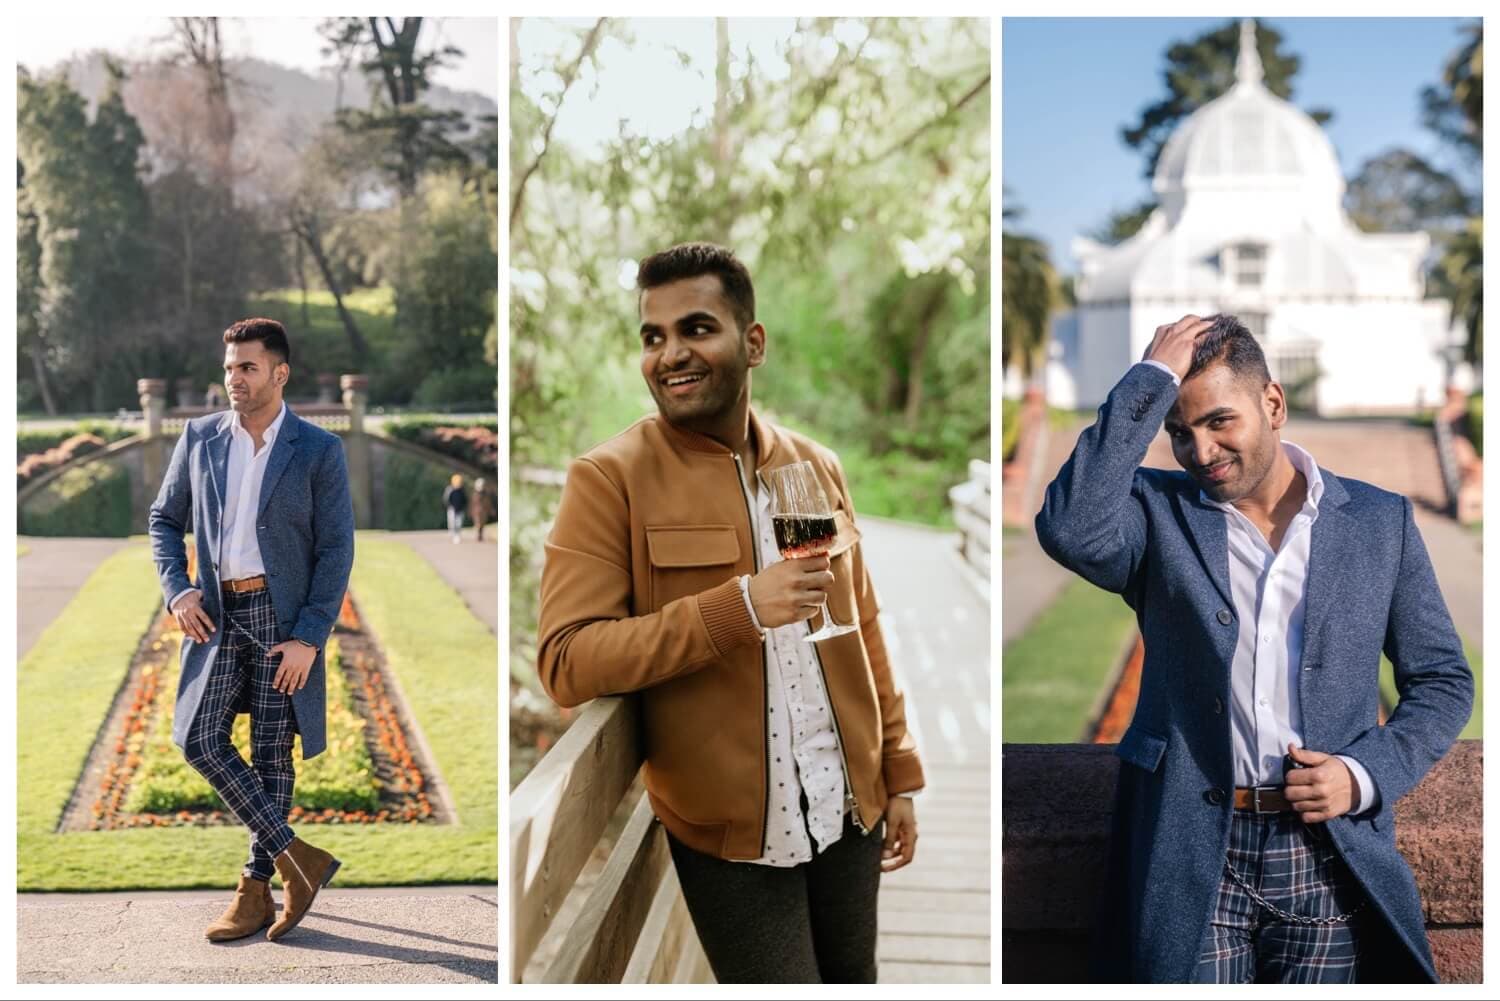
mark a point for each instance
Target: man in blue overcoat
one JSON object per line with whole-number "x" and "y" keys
{"x": 266, "y": 496}
{"x": 1253, "y": 828}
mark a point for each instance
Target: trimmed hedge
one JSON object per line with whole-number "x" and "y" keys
{"x": 476, "y": 442}
{"x": 35, "y": 440}
{"x": 92, "y": 500}
{"x": 414, "y": 494}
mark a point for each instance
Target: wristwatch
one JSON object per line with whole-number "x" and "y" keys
{"x": 304, "y": 643}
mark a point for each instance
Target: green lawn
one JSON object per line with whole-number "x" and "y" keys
{"x": 1053, "y": 673}
{"x": 444, "y": 658}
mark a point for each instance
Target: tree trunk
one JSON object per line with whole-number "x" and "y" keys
{"x": 308, "y": 233}
{"x": 917, "y": 356}
{"x": 39, "y": 370}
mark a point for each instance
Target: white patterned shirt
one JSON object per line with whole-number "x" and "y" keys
{"x": 801, "y": 744}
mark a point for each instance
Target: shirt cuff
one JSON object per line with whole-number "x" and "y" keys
{"x": 749, "y": 605}
{"x": 179, "y": 594}
{"x": 1156, "y": 364}
{"x": 1369, "y": 796}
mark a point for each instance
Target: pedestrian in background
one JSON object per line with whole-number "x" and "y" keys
{"x": 454, "y": 501}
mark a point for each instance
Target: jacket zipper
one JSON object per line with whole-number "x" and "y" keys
{"x": 838, "y": 733}
{"x": 838, "y": 736}
{"x": 765, "y": 675}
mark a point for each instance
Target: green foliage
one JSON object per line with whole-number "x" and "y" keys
{"x": 475, "y": 442}
{"x": 1029, "y": 293}
{"x": 341, "y": 778}
{"x": 1476, "y": 422}
{"x": 413, "y": 494}
{"x": 1058, "y": 668}
{"x": 854, "y": 185}
{"x": 446, "y": 296}
{"x": 30, "y": 441}
{"x": 1122, "y": 225}
{"x": 1400, "y": 192}
{"x": 88, "y": 252}
{"x": 1010, "y": 427}
{"x": 90, "y": 500}
{"x": 319, "y": 344}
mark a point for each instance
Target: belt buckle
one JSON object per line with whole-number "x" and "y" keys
{"x": 1255, "y": 799}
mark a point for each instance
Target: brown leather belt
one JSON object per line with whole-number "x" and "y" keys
{"x": 245, "y": 585}
{"x": 1261, "y": 799}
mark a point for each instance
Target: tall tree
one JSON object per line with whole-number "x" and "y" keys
{"x": 29, "y": 339}
{"x": 1029, "y": 291}
{"x": 85, "y": 184}
{"x": 400, "y": 72}
{"x": 1400, "y": 192}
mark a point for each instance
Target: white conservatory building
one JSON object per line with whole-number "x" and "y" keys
{"x": 1251, "y": 222}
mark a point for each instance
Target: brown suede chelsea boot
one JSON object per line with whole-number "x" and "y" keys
{"x": 304, "y": 871}
{"x": 251, "y": 910}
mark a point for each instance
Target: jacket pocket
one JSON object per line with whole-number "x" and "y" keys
{"x": 688, "y": 559}
{"x": 1142, "y": 748}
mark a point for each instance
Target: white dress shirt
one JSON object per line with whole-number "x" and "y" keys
{"x": 239, "y": 546}
{"x": 1269, "y": 588}
{"x": 802, "y": 746}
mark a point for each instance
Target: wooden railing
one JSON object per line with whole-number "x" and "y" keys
{"x": 971, "y": 513}
{"x": 594, "y": 897}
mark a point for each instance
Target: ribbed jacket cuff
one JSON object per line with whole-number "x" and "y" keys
{"x": 726, "y": 617}
{"x": 902, "y": 773}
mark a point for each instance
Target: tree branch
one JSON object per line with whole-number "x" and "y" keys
{"x": 935, "y": 121}
{"x": 591, "y": 40}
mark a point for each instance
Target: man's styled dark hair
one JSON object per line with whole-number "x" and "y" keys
{"x": 1229, "y": 342}
{"x": 689, "y": 260}
{"x": 257, "y": 328}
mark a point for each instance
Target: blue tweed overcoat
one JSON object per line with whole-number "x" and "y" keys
{"x": 1148, "y": 535}
{"x": 305, "y": 526}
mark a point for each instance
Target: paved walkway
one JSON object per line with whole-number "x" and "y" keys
{"x": 423, "y": 935}
{"x": 472, "y": 568}
{"x": 49, "y": 575}
{"x": 935, "y": 913}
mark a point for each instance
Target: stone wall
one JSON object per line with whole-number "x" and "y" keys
{"x": 1056, "y": 803}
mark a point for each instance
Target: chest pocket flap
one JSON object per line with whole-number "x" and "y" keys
{"x": 692, "y": 545}
{"x": 848, "y": 532}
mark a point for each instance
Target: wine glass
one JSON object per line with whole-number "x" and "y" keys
{"x": 804, "y": 524}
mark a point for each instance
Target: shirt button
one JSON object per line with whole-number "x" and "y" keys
{"x": 1264, "y": 702}
{"x": 1224, "y": 616}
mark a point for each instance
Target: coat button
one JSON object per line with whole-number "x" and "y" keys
{"x": 1225, "y": 617}
{"x": 1214, "y": 796}
{"x": 1218, "y": 706}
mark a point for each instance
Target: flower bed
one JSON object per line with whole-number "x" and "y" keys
{"x": 367, "y": 774}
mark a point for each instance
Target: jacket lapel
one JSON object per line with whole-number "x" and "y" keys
{"x": 281, "y": 457}
{"x": 218, "y": 475}
{"x": 1210, "y": 537}
{"x": 1328, "y": 536}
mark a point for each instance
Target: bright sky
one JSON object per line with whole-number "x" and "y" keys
{"x": 290, "y": 41}
{"x": 1070, "y": 85}
{"x": 647, "y": 83}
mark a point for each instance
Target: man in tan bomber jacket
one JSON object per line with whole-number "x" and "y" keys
{"x": 781, "y": 769}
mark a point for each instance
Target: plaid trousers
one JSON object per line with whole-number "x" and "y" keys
{"x": 259, "y": 793}
{"x": 1295, "y": 868}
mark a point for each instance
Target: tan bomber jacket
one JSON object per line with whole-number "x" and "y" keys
{"x": 640, "y": 593}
